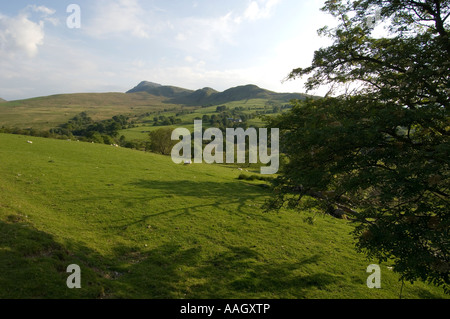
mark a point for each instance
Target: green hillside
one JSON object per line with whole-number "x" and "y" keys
{"x": 49, "y": 111}
{"x": 140, "y": 226}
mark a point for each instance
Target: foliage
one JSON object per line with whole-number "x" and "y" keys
{"x": 82, "y": 126}
{"x": 221, "y": 108}
{"x": 31, "y": 132}
{"x": 379, "y": 152}
{"x": 164, "y": 121}
{"x": 161, "y": 141}
{"x": 254, "y": 177}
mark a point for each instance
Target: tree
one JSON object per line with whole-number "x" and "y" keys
{"x": 275, "y": 109}
{"x": 221, "y": 108}
{"x": 377, "y": 153}
{"x": 161, "y": 142}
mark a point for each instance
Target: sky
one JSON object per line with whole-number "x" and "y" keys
{"x": 112, "y": 45}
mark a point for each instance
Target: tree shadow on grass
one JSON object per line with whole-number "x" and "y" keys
{"x": 240, "y": 272}
{"x": 226, "y": 190}
{"x": 171, "y": 272}
{"x": 140, "y": 200}
{"x": 33, "y": 265}
{"x": 207, "y": 194}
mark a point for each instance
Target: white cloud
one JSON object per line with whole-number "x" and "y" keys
{"x": 260, "y": 9}
{"x": 139, "y": 63}
{"x": 205, "y": 33}
{"x": 189, "y": 59}
{"x": 57, "y": 69}
{"x": 45, "y": 14}
{"x": 20, "y": 35}
{"x": 120, "y": 17}
{"x": 41, "y": 9}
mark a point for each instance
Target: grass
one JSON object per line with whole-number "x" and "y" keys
{"x": 140, "y": 226}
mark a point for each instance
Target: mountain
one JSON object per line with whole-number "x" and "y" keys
{"x": 197, "y": 97}
{"x": 244, "y": 92}
{"x": 209, "y": 96}
{"x": 2, "y": 100}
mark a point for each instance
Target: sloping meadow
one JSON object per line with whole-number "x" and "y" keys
{"x": 140, "y": 226}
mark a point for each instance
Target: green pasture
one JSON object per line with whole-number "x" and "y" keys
{"x": 140, "y": 226}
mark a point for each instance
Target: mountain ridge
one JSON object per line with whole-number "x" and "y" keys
{"x": 209, "y": 96}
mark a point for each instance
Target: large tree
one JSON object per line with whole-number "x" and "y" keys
{"x": 161, "y": 141}
{"x": 377, "y": 151}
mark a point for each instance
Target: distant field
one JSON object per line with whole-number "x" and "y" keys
{"x": 141, "y": 132}
{"x": 50, "y": 111}
{"x": 140, "y": 226}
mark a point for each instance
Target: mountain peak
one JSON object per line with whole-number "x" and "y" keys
{"x": 148, "y": 83}
{"x": 143, "y": 86}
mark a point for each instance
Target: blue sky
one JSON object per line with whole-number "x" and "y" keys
{"x": 186, "y": 43}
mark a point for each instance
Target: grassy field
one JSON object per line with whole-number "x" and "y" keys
{"x": 140, "y": 226}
